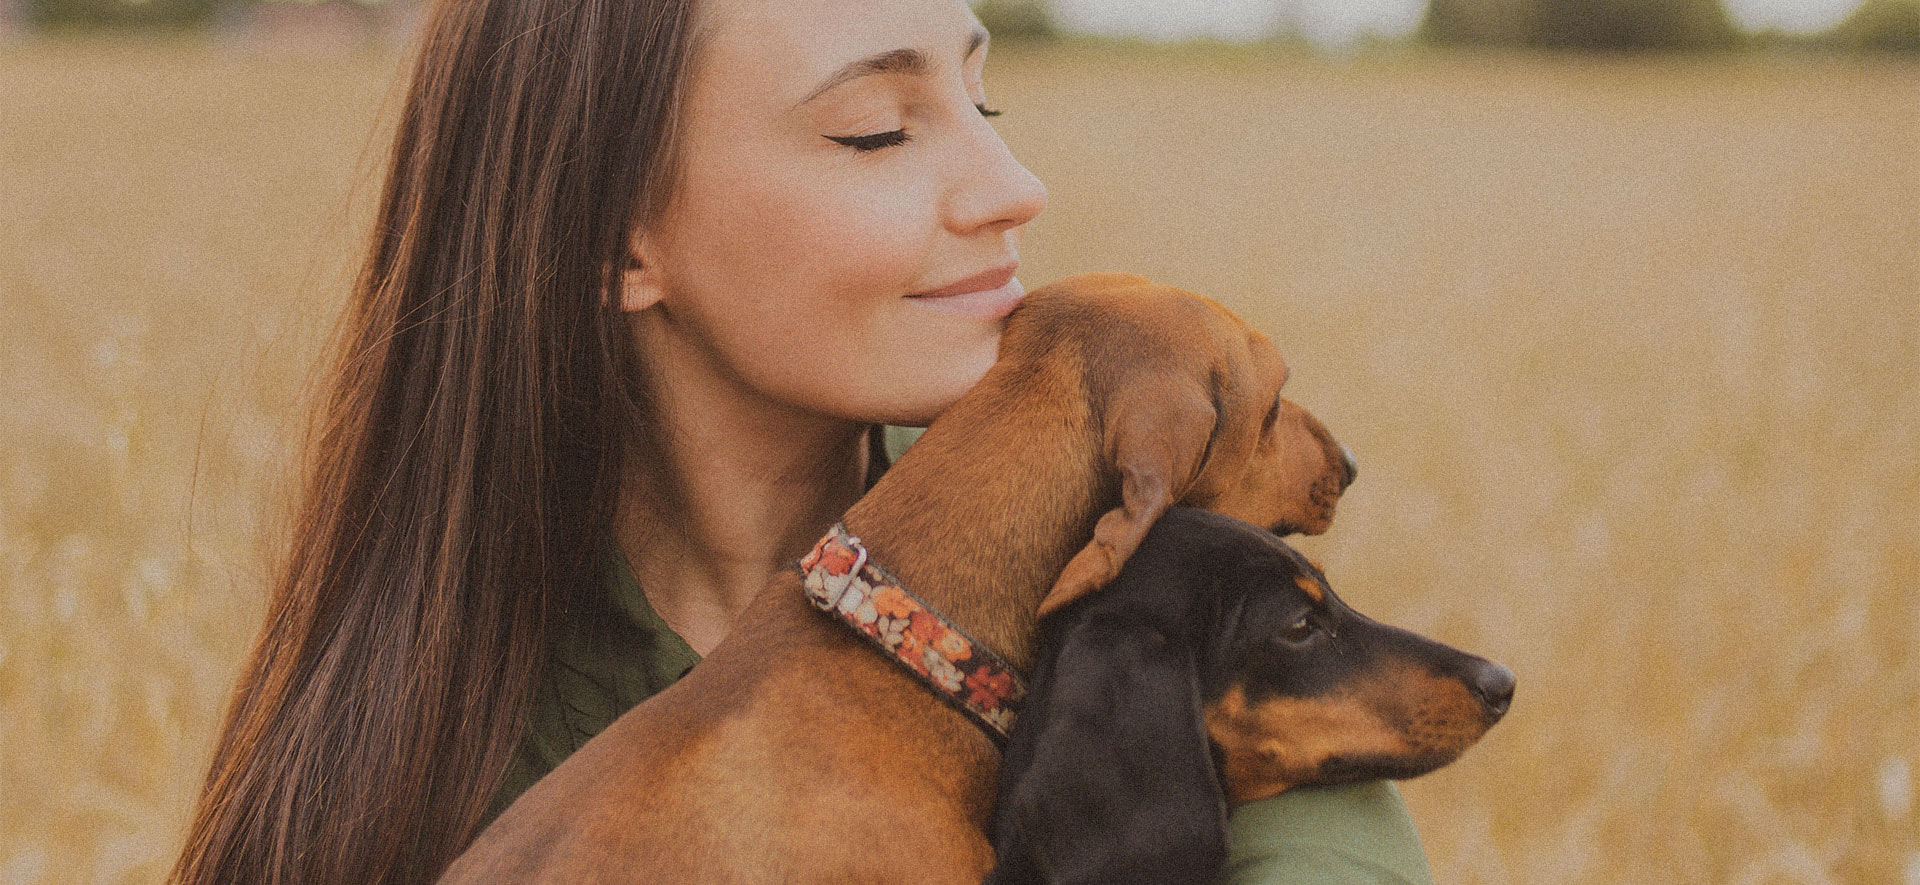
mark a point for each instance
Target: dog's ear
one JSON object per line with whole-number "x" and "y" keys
{"x": 1156, "y": 435}
{"x": 1112, "y": 777}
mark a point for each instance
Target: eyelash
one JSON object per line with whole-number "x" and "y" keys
{"x": 878, "y": 140}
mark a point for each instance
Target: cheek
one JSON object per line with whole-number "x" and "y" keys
{"x": 796, "y": 283}
{"x": 1280, "y": 743}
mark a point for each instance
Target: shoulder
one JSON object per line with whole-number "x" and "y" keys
{"x": 1356, "y": 834}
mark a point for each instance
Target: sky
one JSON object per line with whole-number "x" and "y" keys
{"x": 1343, "y": 22}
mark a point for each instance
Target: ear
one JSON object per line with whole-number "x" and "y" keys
{"x": 1110, "y": 777}
{"x": 641, "y": 283}
{"x": 1157, "y": 437}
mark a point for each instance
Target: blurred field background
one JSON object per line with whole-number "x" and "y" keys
{"x": 1628, "y": 347}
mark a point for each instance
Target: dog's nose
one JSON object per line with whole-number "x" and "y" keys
{"x": 1494, "y": 684}
{"x": 1347, "y": 461}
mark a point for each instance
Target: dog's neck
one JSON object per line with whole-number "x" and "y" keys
{"x": 983, "y": 539}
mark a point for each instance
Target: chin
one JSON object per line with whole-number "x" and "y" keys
{"x": 929, "y": 388}
{"x": 920, "y": 411}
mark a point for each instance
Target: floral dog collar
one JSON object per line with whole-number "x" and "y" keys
{"x": 840, "y": 580}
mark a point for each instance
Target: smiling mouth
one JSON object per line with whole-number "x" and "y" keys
{"x": 994, "y": 302}
{"x": 987, "y": 280}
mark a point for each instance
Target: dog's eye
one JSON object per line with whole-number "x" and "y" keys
{"x": 1300, "y": 630}
{"x": 1273, "y": 414}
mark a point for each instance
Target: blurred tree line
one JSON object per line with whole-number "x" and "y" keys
{"x": 1627, "y": 25}
{"x": 1881, "y": 26}
{"x": 1606, "y": 25}
{"x": 151, "y": 14}
{"x": 1580, "y": 24}
{"x": 1017, "y": 19}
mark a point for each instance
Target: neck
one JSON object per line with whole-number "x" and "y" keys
{"x": 738, "y": 488}
{"x": 1006, "y": 523}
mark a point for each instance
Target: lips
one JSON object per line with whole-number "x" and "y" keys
{"x": 991, "y": 294}
{"x": 992, "y": 278}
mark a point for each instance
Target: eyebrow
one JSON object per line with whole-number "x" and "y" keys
{"x": 893, "y": 61}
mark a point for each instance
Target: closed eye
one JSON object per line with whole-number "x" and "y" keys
{"x": 878, "y": 140}
{"x": 874, "y": 142}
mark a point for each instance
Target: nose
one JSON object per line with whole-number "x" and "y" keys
{"x": 1493, "y": 684}
{"x": 1353, "y": 466}
{"x": 992, "y": 189}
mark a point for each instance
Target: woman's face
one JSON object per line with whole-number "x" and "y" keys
{"x": 836, "y": 165}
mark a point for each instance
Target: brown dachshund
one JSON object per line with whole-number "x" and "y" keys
{"x": 794, "y": 752}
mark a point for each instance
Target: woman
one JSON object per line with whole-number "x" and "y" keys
{"x": 646, "y": 279}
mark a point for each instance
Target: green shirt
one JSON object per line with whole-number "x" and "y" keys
{"x": 607, "y": 659}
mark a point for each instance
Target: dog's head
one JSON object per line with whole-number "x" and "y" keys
{"x": 1218, "y": 666}
{"x": 1298, "y": 688}
{"x": 1187, "y": 397}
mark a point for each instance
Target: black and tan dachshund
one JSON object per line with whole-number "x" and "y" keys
{"x": 1217, "y": 667}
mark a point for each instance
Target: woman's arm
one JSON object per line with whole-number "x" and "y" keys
{"x": 1357, "y": 834}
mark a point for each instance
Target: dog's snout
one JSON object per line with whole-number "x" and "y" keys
{"x": 1353, "y": 466}
{"x": 1494, "y": 686}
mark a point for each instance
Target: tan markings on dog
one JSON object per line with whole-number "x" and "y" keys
{"x": 1397, "y": 712}
{"x": 1444, "y": 718}
{"x": 1280, "y": 742}
{"x": 1310, "y": 587}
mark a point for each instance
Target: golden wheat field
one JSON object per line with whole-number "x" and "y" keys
{"x": 1629, "y": 351}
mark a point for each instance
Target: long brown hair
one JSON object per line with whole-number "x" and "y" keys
{"x": 468, "y": 454}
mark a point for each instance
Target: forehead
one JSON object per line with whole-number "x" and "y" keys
{"x": 1279, "y": 581}
{"x": 776, "y": 51}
